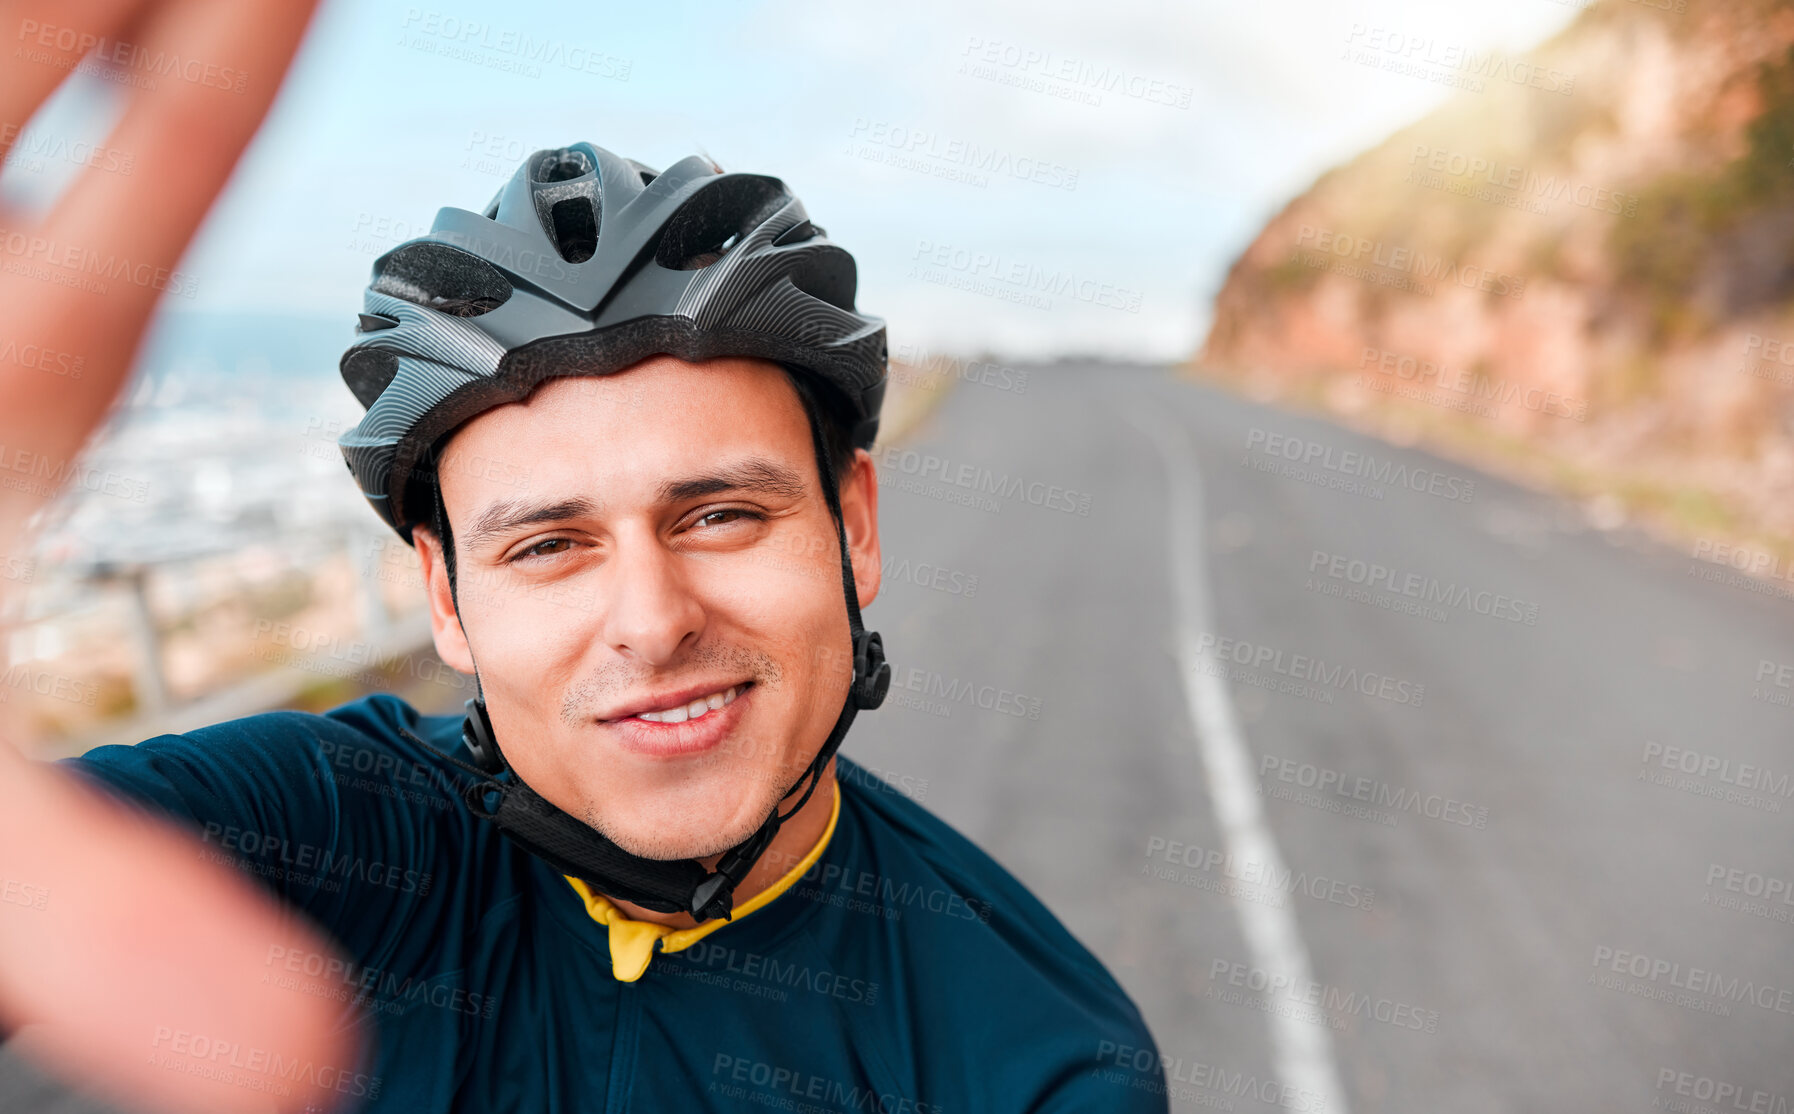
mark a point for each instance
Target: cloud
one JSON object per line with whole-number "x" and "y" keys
{"x": 378, "y": 125}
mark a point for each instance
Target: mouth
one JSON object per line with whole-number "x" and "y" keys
{"x": 682, "y": 723}
{"x": 680, "y": 707}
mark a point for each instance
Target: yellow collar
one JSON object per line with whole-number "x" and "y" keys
{"x": 633, "y": 943}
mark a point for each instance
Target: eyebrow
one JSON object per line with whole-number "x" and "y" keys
{"x": 512, "y": 514}
{"x": 755, "y": 474}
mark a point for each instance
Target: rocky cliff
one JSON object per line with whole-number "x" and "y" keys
{"x": 1581, "y": 267}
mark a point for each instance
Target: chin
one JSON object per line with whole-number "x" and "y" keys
{"x": 662, "y": 846}
{"x": 681, "y": 832}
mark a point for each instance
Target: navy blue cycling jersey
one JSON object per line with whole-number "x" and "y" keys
{"x": 905, "y": 972}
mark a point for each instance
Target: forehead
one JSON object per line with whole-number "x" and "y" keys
{"x": 626, "y": 433}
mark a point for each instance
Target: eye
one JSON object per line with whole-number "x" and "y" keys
{"x": 727, "y": 515}
{"x": 540, "y": 549}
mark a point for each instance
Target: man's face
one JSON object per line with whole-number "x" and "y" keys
{"x": 630, "y": 544}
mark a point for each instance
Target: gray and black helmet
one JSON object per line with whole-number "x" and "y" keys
{"x": 583, "y": 264}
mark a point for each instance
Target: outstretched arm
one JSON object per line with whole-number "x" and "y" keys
{"x": 127, "y": 961}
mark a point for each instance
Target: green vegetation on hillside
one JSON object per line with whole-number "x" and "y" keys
{"x": 1682, "y": 254}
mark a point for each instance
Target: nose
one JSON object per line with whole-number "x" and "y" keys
{"x": 650, "y": 611}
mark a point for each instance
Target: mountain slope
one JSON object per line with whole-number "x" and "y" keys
{"x": 1583, "y": 269}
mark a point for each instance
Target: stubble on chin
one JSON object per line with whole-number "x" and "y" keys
{"x": 663, "y": 842}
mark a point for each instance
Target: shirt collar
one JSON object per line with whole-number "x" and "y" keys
{"x": 633, "y": 943}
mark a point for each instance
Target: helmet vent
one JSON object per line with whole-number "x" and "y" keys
{"x": 796, "y": 234}
{"x": 561, "y": 166}
{"x": 646, "y": 173}
{"x": 442, "y": 278}
{"x": 718, "y": 217}
{"x": 575, "y": 228}
{"x": 829, "y": 274}
{"x": 367, "y": 371}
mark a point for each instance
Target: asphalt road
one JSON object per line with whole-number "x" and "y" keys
{"x": 1492, "y": 902}
{"x": 1501, "y": 907}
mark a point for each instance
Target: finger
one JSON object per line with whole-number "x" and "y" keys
{"x": 97, "y": 265}
{"x": 143, "y": 971}
{"x": 42, "y": 42}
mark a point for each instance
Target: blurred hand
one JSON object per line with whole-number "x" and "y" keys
{"x": 124, "y": 957}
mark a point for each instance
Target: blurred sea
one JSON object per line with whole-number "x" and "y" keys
{"x": 213, "y": 502}
{"x": 225, "y": 436}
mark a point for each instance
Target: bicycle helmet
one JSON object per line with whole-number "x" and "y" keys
{"x": 586, "y": 263}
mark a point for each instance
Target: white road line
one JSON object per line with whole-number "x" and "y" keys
{"x": 1301, "y": 1051}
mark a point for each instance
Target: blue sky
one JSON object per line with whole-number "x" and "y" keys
{"x": 396, "y": 109}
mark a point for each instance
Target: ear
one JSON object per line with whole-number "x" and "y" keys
{"x": 859, "y": 515}
{"x": 445, "y": 624}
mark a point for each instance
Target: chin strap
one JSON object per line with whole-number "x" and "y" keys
{"x": 665, "y": 885}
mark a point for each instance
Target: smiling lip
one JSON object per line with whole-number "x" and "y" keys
{"x": 667, "y": 701}
{"x": 652, "y": 739}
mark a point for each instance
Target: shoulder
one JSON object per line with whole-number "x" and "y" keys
{"x": 971, "y": 924}
{"x": 906, "y": 840}
{"x": 296, "y": 768}
{"x": 383, "y": 737}
{"x": 372, "y": 734}
{"x": 379, "y": 722}
{"x": 347, "y": 814}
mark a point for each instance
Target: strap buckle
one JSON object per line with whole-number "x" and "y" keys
{"x": 871, "y": 673}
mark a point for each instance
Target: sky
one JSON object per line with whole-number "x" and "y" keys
{"x": 1015, "y": 180}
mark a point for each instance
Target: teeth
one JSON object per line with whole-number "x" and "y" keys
{"x": 697, "y": 709}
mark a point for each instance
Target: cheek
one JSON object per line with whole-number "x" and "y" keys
{"x": 532, "y": 652}
{"x": 794, "y": 610}
{"x": 795, "y": 603}
{"x": 527, "y": 635}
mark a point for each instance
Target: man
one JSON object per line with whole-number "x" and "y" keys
{"x": 623, "y": 415}
{"x": 844, "y": 952}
